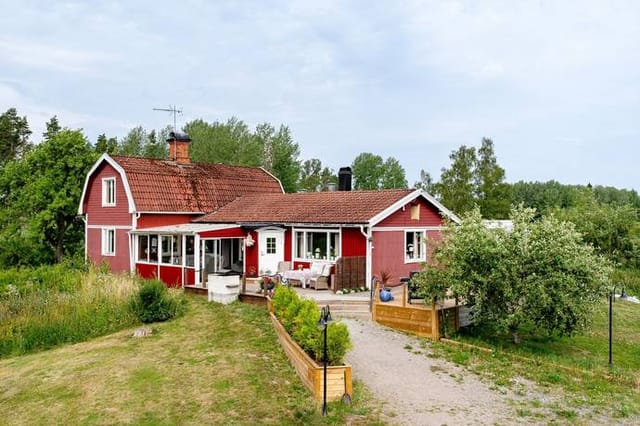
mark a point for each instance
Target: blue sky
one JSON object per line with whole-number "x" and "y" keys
{"x": 555, "y": 84}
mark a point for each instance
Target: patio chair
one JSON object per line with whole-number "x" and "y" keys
{"x": 320, "y": 281}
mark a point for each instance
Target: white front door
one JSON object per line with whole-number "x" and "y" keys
{"x": 271, "y": 246}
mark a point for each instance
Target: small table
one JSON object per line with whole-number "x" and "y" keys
{"x": 302, "y": 275}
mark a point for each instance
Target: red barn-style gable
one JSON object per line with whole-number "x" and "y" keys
{"x": 124, "y": 194}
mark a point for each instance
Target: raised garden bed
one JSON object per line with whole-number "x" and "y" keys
{"x": 310, "y": 372}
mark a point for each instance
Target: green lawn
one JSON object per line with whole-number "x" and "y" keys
{"x": 216, "y": 365}
{"x": 577, "y": 366}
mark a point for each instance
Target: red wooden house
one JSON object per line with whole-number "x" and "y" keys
{"x": 390, "y": 228}
{"x": 180, "y": 221}
{"x": 123, "y": 195}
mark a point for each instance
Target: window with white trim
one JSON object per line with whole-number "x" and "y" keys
{"x": 171, "y": 249}
{"x": 415, "y": 249}
{"x": 317, "y": 244}
{"x": 109, "y": 192}
{"x": 108, "y": 242}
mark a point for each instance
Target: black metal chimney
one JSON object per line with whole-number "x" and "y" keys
{"x": 344, "y": 179}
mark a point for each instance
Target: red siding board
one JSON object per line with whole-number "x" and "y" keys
{"x": 224, "y": 233}
{"x": 251, "y": 256}
{"x": 353, "y": 243}
{"x": 288, "y": 248}
{"x": 429, "y": 216}
{"x": 117, "y": 263}
{"x": 171, "y": 275}
{"x": 150, "y": 220}
{"x": 98, "y": 215}
{"x": 146, "y": 270}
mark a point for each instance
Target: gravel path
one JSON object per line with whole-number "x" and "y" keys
{"x": 418, "y": 390}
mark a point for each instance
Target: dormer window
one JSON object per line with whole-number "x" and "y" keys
{"x": 109, "y": 192}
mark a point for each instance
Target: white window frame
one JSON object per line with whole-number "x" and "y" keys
{"x": 108, "y": 247}
{"x": 305, "y": 231}
{"x": 419, "y": 250}
{"x": 109, "y": 192}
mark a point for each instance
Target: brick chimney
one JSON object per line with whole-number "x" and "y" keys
{"x": 344, "y": 179}
{"x": 179, "y": 147}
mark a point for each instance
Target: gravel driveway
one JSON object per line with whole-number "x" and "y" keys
{"x": 418, "y": 390}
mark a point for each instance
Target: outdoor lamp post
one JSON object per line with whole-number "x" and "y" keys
{"x": 325, "y": 317}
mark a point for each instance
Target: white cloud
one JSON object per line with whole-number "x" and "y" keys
{"x": 50, "y": 57}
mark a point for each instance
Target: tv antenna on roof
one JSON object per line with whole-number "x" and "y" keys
{"x": 173, "y": 110}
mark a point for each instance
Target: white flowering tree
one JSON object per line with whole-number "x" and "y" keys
{"x": 540, "y": 274}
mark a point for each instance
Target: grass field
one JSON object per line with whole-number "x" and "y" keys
{"x": 215, "y": 365}
{"x": 577, "y": 366}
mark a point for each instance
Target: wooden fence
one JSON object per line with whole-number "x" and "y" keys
{"x": 350, "y": 272}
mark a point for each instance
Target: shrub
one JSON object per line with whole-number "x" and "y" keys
{"x": 305, "y": 326}
{"x": 285, "y": 306}
{"x": 300, "y": 318}
{"x": 338, "y": 343}
{"x": 153, "y": 302}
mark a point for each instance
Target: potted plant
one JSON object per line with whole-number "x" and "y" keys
{"x": 385, "y": 294}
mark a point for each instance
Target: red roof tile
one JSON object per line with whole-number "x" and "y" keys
{"x": 307, "y": 207}
{"x": 164, "y": 186}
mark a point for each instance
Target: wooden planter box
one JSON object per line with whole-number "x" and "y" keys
{"x": 310, "y": 372}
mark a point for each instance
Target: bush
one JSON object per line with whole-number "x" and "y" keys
{"x": 154, "y": 303}
{"x": 300, "y": 318}
{"x": 338, "y": 343}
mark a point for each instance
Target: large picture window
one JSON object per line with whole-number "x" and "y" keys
{"x": 317, "y": 245}
{"x": 109, "y": 192}
{"x": 414, "y": 247}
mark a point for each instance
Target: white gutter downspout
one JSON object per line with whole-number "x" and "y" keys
{"x": 134, "y": 226}
{"x": 86, "y": 239}
{"x": 369, "y": 254}
{"x": 197, "y": 260}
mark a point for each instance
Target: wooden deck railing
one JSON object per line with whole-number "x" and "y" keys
{"x": 420, "y": 319}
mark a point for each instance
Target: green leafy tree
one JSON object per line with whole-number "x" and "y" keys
{"x": 313, "y": 176}
{"x": 610, "y": 228}
{"x": 234, "y": 143}
{"x": 393, "y": 175}
{"x": 492, "y": 193}
{"x": 14, "y": 136}
{"x": 367, "y": 171}
{"x": 46, "y": 189}
{"x": 52, "y": 128}
{"x": 540, "y": 275}
{"x": 280, "y": 154}
{"x": 108, "y": 145}
{"x": 371, "y": 171}
{"x": 229, "y": 143}
{"x": 155, "y": 146}
{"x": 132, "y": 145}
{"x": 615, "y": 196}
{"x": 545, "y": 196}
{"x": 456, "y": 187}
